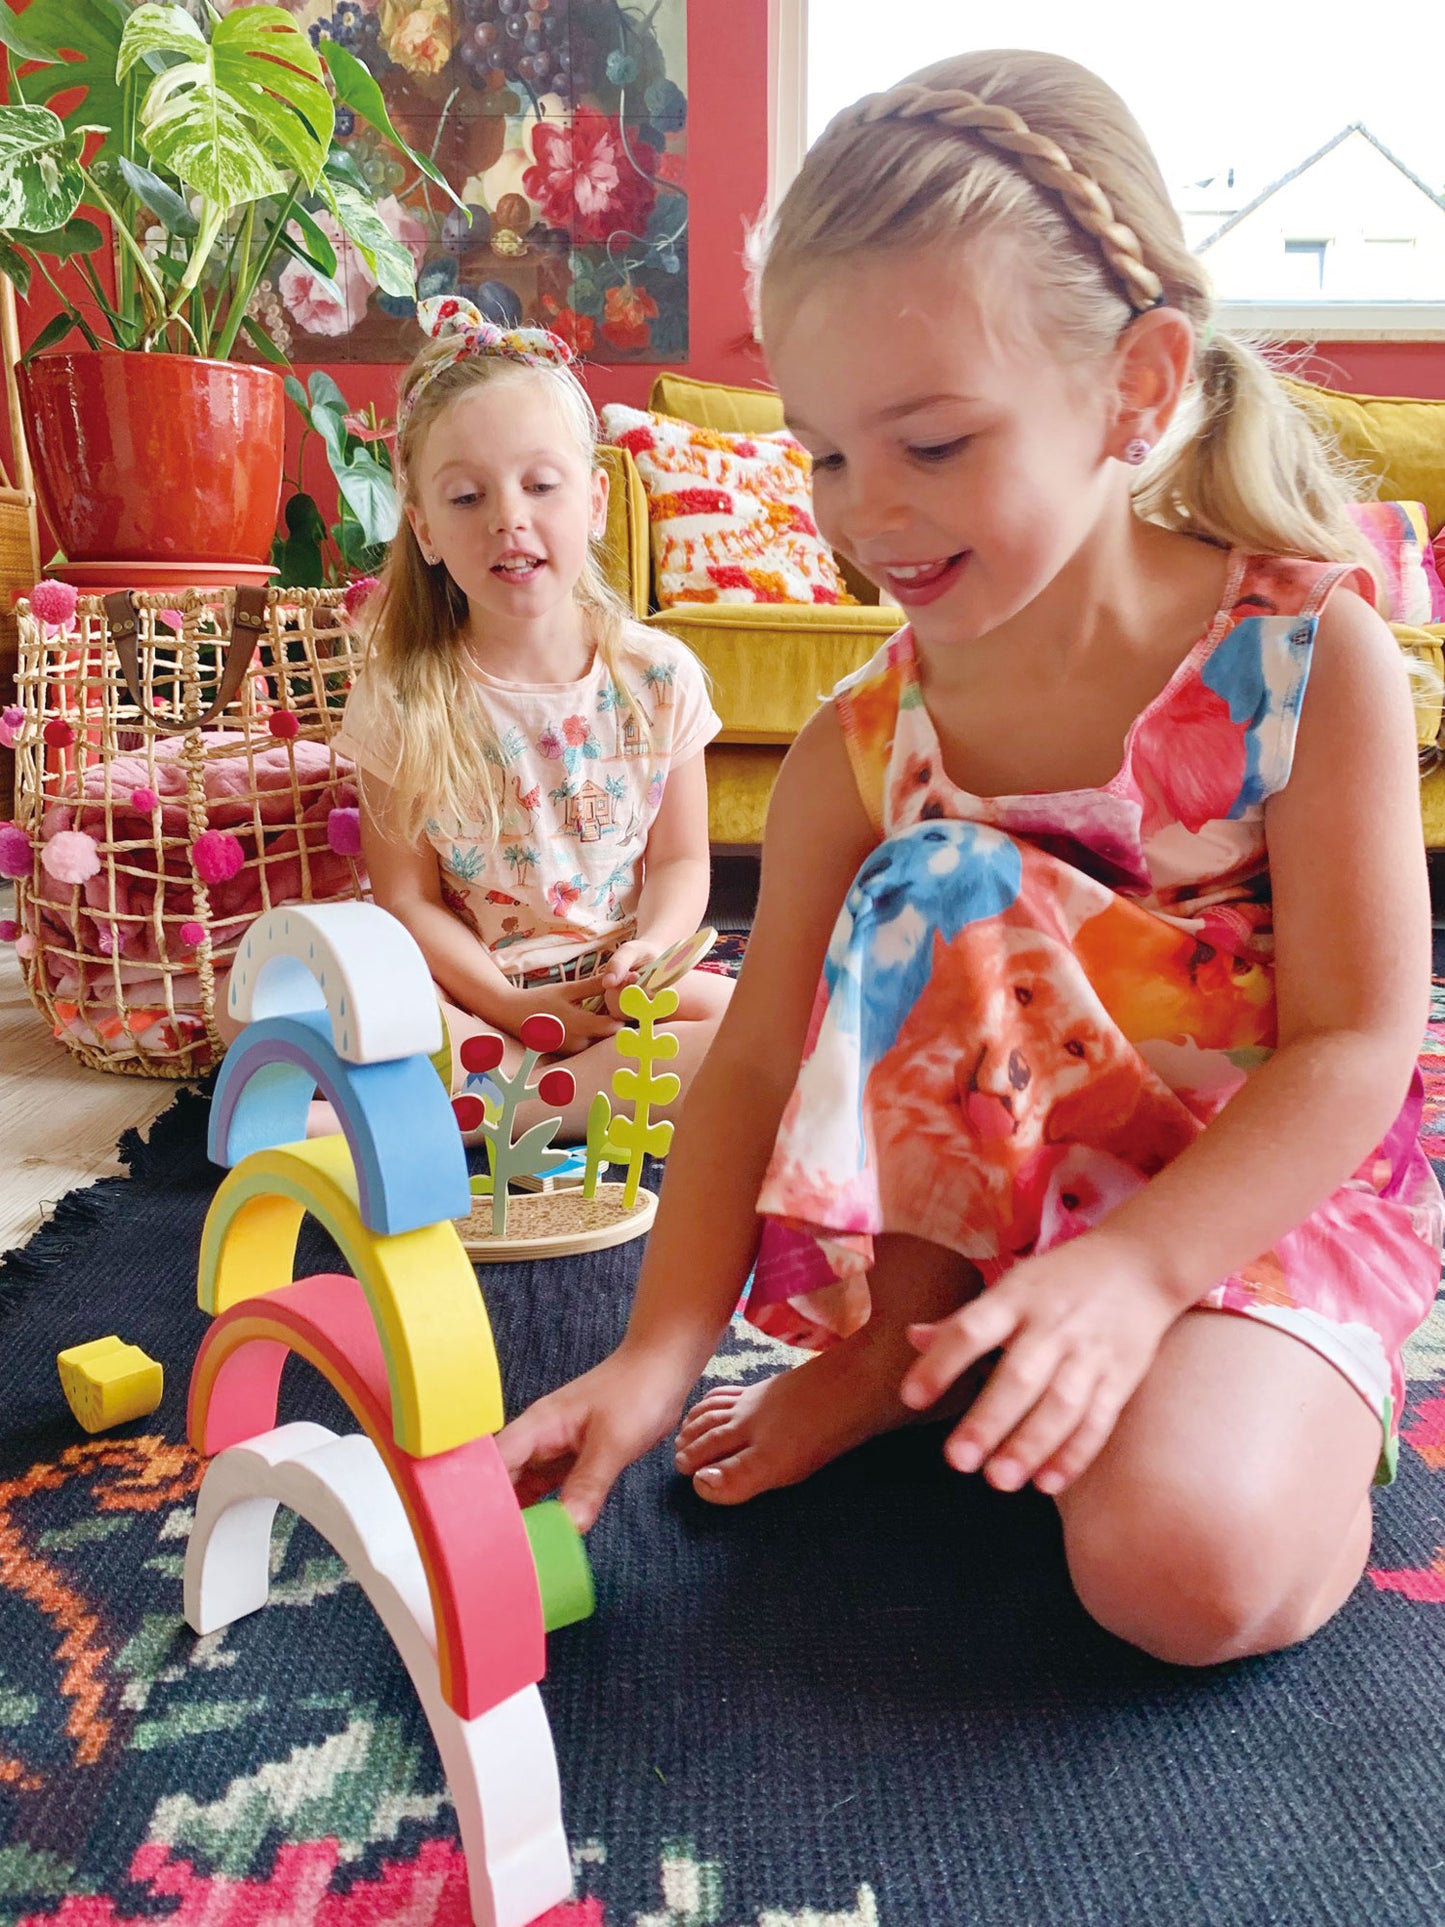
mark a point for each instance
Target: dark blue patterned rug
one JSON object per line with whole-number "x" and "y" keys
{"x": 870, "y": 1700}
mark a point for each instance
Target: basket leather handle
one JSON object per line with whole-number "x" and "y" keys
{"x": 247, "y": 621}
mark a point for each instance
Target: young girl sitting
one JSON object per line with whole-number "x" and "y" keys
{"x": 533, "y": 804}
{"x": 1107, "y": 873}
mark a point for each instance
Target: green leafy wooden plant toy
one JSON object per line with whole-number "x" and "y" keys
{"x": 614, "y": 1137}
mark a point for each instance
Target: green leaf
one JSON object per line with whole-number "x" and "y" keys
{"x": 341, "y": 170}
{"x": 369, "y": 492}
{"x": 318, "y": 250}
{"x": 388, "y": 260}
{"x": 89, "y": 35}
{"x": 288, "y": 244}
{"x": 78, "y": 236}
{"x": 249, "y": 112}
{"x": 154, "y": 29}
{"x": 356, "y": 89}
{"x": 56, "y": 329}
{"x": 324, "y": 392}
{"x": 263, "y": 344}
{"x": 298, "y": 554}
{"x": 304, "y": 518}
{"x": 17, "y": 267}
{"x": 40, "y": 179}
{"x": 262, "y": 49}
{"x": 202, "y": 137}
{"x": 297, "y": 394}
{"x": 163, "y": 201}
{"x": 361, "y": 558}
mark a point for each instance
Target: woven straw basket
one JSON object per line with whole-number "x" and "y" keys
{"x": 174, "y": 782}
{"x": 19, "y": 529}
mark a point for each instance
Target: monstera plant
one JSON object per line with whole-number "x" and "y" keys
{"x": 207, "y": 142}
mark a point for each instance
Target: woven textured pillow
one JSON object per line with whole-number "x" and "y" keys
{"x": 1400, "y": 535}
{"x": 731, "y": 515}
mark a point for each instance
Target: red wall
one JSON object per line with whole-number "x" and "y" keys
{"x": 1379, "y": 367}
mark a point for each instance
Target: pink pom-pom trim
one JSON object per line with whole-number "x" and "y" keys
{"x": 143, "y": 800}
{"x": 9, "y": 930}
{"x": 283, "y": 724}
{"x": 70, "y": 857}
{"x": 217, "y": 856}
{"x": 54, "y": 602}
{"x": 343, "y": 832}
{"x": 12, "y": 721}
{"x": 15, "y": 852}
{"x": 192, "y": 934}
{"x": 25, "y": 946}
{"x": 58, "y": 733}
{"x": 356, "y": 593}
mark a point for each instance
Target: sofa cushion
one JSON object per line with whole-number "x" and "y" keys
{"x": 1399, "y": 442}
{"x": 731, "y": 515}
{"x": 1398, "y": 534}
{"x": 1427, "y": 646}
{"x": 711, "y": 404}
{"x": 771, "y": 667}
{"x": 623, "y": 550}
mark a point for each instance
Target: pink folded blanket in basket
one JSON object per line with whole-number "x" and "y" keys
{"x": 120, "y": 934}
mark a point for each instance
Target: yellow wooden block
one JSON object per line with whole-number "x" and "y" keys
{"x": 108, "y": 1382}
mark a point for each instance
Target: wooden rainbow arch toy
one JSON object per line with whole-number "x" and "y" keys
{"x": 418, "y": 1502}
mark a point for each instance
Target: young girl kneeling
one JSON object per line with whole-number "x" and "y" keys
{"x": 534, "y": 803}
{"x": 1076, "y": 1042}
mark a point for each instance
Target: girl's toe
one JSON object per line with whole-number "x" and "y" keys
{"x": 706, "y": 1444}
{"x": 728, "y": 1482}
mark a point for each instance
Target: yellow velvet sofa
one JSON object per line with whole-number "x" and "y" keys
{"x": 772, "y": 664}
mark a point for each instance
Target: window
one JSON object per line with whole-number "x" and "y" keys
{"x": 1305, "y": 266}
{"x": 1267, "y": 144}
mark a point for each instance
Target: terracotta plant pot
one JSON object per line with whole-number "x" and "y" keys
{"x": 156, "y": 457}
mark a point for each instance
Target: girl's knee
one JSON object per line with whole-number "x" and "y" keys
{"x": 1194, "y": 1588}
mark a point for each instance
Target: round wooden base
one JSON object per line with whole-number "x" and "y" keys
{"x": 553, "y": 1224}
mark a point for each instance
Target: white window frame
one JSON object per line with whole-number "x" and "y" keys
{"x": 1292, "y": 321}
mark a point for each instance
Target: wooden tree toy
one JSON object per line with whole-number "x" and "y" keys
{"x": 613, "y": 1137}
{"x": 529, "y": 1155}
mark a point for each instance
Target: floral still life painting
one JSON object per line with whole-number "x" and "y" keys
{"x": 561, "y": 126}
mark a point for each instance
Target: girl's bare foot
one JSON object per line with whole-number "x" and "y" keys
{"x": 738, "y": 1441}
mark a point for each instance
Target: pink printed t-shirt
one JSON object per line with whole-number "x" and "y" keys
{"x": 581, "y": 784}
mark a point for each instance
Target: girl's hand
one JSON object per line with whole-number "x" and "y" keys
{"x": 564, "y": 1001}
{"x": 1079, "y": 1328}
{"x": 625, "y": 962}
{"x": 584, "y": 1434}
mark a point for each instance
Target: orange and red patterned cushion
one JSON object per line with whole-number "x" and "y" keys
{"x": 731, "y": 515}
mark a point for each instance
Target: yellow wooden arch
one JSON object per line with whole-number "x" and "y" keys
{"x": 441, "y": 1361}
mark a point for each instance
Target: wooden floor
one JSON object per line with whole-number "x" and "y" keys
{"x": 59, "y": 1122}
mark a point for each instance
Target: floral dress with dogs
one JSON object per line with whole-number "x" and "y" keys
{"x": 1032, "y": 1003}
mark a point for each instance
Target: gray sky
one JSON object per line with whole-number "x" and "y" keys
{"x": 1256, "y": 86}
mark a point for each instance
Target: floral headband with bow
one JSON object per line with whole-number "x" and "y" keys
{"x": 467, "y": 332}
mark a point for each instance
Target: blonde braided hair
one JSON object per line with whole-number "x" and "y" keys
{"x": 1042, "y": 159}
{"x": 1035, "y": 152}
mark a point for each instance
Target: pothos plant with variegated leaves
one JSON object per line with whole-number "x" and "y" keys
{"x": 208, "y": 140}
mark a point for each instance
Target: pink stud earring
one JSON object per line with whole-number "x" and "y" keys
{"x": 1137, "y": 451}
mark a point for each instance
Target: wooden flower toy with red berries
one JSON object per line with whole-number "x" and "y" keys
{"x": 507, "y": 1225}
